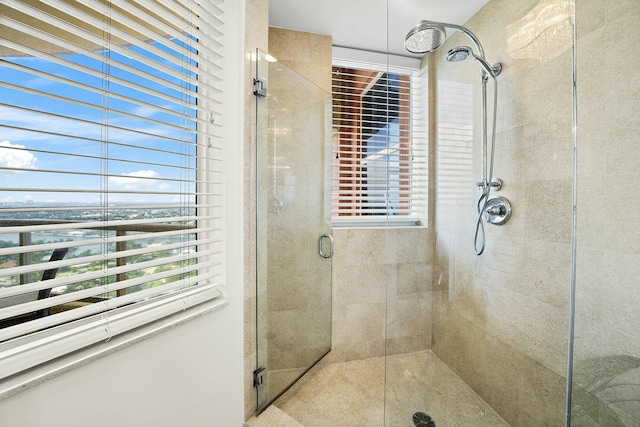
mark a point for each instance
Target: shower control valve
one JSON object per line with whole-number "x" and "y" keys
{"x": 497, "y": 210}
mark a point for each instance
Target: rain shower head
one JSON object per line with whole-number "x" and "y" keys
{"x": 425, "y": 37}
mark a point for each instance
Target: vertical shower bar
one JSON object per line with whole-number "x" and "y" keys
{"x": 485, "y": 181}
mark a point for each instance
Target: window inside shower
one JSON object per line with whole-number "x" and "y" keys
{"x": 379, "y": 148}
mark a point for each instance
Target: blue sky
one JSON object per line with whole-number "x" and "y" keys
{"x": 140, "y": 168}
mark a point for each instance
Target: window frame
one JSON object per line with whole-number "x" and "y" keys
{"x": 33, "y": 358}
{"x": 418, "y": 101}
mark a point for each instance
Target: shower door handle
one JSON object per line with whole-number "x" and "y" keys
{"x": 321, "y": 248}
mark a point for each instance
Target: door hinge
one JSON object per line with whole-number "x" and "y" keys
{"x": 260, "y": 87}
{"x": 258, "y": 376}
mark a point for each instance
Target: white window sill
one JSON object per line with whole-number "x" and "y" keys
{"x": 376, "y": 222}
{"x": 32, "y": 377}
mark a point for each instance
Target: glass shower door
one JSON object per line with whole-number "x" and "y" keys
{"x": 294, "y": 245}
{"x": 606, "y": 348}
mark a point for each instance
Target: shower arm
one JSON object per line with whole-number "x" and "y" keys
{"x": 469, "y": 34}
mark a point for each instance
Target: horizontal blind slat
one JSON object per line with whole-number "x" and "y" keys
{"x": 88, "y": 88}
{"x": 33, "y": 32}
{"x": 76, "y": 315}
{"x": 99, "y": 241}
{"x": 93, "y": 275}
{"x": 95, "y": 258}
{"x": 103, "y": 289}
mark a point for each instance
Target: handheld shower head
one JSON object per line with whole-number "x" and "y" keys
{"x": 425, "y": 37}
{"x": 461, "y": 53}
{"x": 458, "y": 54}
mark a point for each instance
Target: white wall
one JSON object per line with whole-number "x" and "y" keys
{"x": 146, "y": 384}
{"x": 191, "y": 375}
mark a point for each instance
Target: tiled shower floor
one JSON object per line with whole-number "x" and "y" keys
{"x": 352, "y": 394}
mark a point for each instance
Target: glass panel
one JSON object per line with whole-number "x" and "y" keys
{"x": 488, "y": 343}
{"x": 606, "y": 362}
{"x": 293, "y": 278}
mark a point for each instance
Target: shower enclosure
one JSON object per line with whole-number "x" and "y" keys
{"x": 294, "y": 244}
{"x": 543, "y": 327}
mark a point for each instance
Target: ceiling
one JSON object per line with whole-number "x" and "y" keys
{"x": 368, "y": 24}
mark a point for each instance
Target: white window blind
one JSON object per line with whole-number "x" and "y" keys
{"x": 111, "y": 169}
{"x": 379, "y": 171}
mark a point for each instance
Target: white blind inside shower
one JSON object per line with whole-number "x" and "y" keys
{"x": 111, "y": 169}
{"x": 379, "y": 166}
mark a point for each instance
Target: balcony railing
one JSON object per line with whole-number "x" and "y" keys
{"x": 119, "y": 231}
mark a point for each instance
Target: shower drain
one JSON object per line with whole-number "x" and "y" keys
{"x": 420, "y": 419}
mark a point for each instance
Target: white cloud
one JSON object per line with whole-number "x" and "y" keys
{"x": 139, "y": 180}
{"x": 15, "y": 156}
{"x": 145, "y": 111}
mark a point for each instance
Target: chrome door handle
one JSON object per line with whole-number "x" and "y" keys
{"x": 320, "y": 246}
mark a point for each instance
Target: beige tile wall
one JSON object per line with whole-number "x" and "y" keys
{"x": 359, "y": 277}
{"x": 381, "y": 292}
{"x": 501, "y": 319}
{"x": 409, "y": 290}
{"x": 609, "y": 171}
{"x": 305, "y": 53}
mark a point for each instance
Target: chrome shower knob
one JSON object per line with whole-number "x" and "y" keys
{"x": 497, "y": 210}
